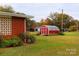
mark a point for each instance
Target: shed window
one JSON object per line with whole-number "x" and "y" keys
{"x": 5, "y": 25}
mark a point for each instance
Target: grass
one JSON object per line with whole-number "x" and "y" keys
{"x": 66, "y": 45}
{"x": 71, "y": 33}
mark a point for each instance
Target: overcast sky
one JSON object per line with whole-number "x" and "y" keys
{"x": 42, "y": 10}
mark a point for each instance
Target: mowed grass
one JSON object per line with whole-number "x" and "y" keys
{"x": 46, "y": 46}
{"x": 71, "y": 33}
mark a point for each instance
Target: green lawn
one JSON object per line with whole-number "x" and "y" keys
{"x": 71, "y": 33}
{"x": 47, "y": 46}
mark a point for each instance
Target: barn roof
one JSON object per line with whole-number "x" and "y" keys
{"x": 52, "y": 27}
{"x": 15, "y": 14}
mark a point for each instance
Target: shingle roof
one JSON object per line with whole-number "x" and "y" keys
{"x": 14, "y": 14}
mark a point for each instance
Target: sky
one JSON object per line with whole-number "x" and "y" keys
{"x": 42, "y": 10}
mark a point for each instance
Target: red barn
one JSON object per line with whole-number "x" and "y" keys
{"x": 12, "y": 24}
{"x": 48, "y": 30}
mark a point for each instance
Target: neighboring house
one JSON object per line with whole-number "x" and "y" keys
{"x": 49, "y": 30}
{"x": 12, "y": 24}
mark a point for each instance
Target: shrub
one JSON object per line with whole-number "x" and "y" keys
{"x": 16, "y": 41}
{"x": 13, "y": 42}
{"x": 61, "y": 33}
{"x": 27, "y": 38}
{"x": 6, "y": 43}
{"x": 31, "y": 39}
{"x": 38, "y": 33}
{"x": 72, "y": 28}
{"x": 1, "y": 38}
{"x": 23, "y": 36}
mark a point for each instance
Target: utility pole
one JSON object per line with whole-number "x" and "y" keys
{"x": 62, "y": 22}
{"x": 77, "y": 26}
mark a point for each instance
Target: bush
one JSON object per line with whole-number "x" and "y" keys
{"x": 31, "y": 39}
{"x": 23, "y": 36}
{"x": 27, "y": 38}
{"x": 6, "y": 43}
{"x": 1, "y": 38}
{"x": 61, "y": 33}
{"x": 13, "y": 42}
{"x": 72, "y": 28}
{"x": 16, "y": 41}
{"x": 38, "y": 33}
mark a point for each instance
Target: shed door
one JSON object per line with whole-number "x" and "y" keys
{"x": 44, "y": 31}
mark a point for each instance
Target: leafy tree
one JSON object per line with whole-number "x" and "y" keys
{"x": 33, "y": 25}
{"x": 57, "y": 19}
{"x": 30, "y": 24}
{"x": 74, "y": 25}
{"x": 46, "y": 21}
{"x": 6, "y": 8}
{"x": 42, "y": 22}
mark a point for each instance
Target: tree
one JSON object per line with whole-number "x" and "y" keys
{"x": 30, "y": 24}
{"x": 42, "y": 22}
{"x": 33, "y": 25}
{"x": 46, "y": 21}
{"x": 74, "y": 25}
{"x": 57, "y": 19}
{"x": 6, "y": 8}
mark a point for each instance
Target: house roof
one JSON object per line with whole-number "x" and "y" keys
{"x": 15, "y": 14}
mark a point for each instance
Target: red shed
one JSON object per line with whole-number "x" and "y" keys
{"x": 12, "y": 24}
{"x": 48, "y": 30}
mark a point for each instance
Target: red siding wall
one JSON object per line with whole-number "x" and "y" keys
{"x": 53, "y": 32}
{"x": 17, "y": 25}
{"x": 44, "y": 30}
